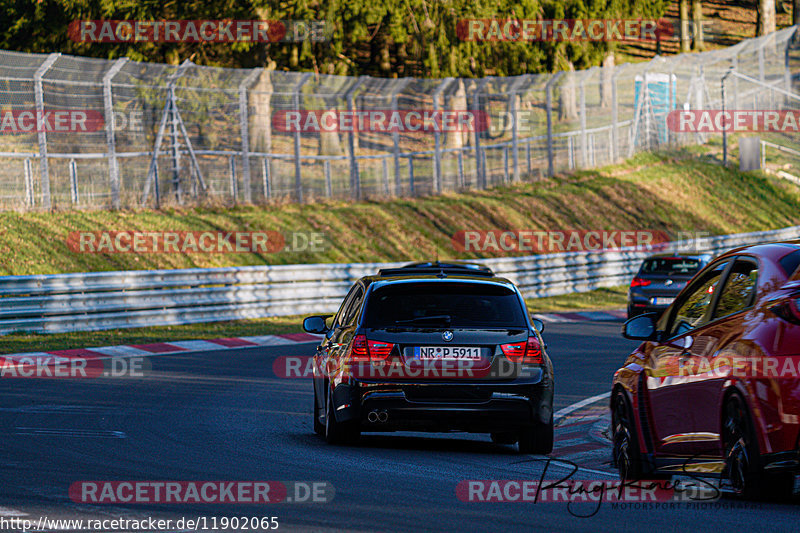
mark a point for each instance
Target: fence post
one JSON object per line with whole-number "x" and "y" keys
{"x": 176, "y": 147}
{"x": 244, "y": 125}
{"x": 437, "y": 156}
{"x": 73, "y": 181}
{"x": 549, "y": 103}
{"x": 234, "y": 189}
{"x": 584, "y": 162}
{"x": 480, "y": 171}
{"x": 411, "y": 173}
{"x": 108, "y": 108}
{"x": 265, "y": 176}
{"x": 515, "y": 128}
{"x": 614, "y": 116}
{"x": 724, "y": 126}
{"x": 38, "y": 95}
{"x": 298, "y": 177}
{"x": 355, "y": 176}
{"x": 761, "y": 71}
{"x": 399, "y": 85}
{"x": 29, "y": 196}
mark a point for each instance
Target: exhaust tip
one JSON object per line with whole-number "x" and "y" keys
{"x": 383, "y": 416}
{"x": 372, "y": 416}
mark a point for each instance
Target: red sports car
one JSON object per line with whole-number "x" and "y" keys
{"x": 714, "y": 389}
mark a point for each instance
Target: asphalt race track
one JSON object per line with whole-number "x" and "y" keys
{"x": 226, "y": 416}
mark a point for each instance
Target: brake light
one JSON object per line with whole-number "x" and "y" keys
{"x": 359, "y": 350}
{"x": 524, "y": 352}
{"x": 362, "y": 350}
{"x": 639, "y": 282}
{"x": 379, "y": 351}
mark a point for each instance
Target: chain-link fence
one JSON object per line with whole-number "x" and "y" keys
{"x": 89, "y": 133}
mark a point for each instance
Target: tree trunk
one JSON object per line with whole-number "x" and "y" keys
{"x": 567, "y": 107}
{"x": 686, "y": 36}
{"x": 453, "y": 137}
{"x": 795, "y": 12}
{"x": 260, "y": 97}
{"x": 697, "y": 26}
{"x": 607, "y": 80}
{"x": 765, "y": 23}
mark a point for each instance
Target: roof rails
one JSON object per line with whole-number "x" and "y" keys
{"x": 438, "y": 269}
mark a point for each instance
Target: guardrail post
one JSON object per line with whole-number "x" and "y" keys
{"x": 244, "y": 126}
{"x": 437, "y": 155}
{"x": 38, "y": 94}
{"x": 111, "y": 127}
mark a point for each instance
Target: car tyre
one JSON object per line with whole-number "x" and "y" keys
{"x": 319, "y": 427}
{"x": 625, "y": 452}
{"x": 536, "y": 438}
{"x": 742, "y": 469}
{"x": 339, "y": 432}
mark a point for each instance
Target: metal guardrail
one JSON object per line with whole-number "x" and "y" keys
{"x": 108, "y": 300}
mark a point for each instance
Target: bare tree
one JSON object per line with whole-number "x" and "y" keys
{"x": 697, "y": 19}
{"x": 686, "y": 37}
{"x": 765, "y": 23}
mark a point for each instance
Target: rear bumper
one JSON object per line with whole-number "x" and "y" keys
{"x": 639, "y": 306}
{"x": 477, "y": 407}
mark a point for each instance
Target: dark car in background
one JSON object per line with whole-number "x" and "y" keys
{"x": 433, "y": 347}
{"x": 659, "y": 280}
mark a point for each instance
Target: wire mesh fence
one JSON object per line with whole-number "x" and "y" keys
{"x": 89, "y": 133}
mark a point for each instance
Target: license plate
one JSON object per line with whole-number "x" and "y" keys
{"x": 448, "y": 353}
{"x": 663, "y": 301}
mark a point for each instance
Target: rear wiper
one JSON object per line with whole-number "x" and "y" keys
{"x": 445, "y": 318}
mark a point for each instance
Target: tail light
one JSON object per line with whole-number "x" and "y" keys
{"x": 639, "y": 282}
{"x": 524, "y": 352}
{"x": 362, "y": 350}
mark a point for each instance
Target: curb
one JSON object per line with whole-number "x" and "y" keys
{"x": 160, "y": 348}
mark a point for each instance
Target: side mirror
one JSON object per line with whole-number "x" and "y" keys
{"x": 642, "y": 327}
{"x": 315, "y": 324}
{"x": 538, "y": 324}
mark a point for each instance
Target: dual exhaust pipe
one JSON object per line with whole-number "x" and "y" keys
{"x": 378, "y": 416}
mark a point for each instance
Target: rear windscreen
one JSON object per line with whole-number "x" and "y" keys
{"x": 670, "y": 265}
{"x": 444, "y": 305}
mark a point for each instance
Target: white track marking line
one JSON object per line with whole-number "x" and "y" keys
{"x": 561, "y": 413}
